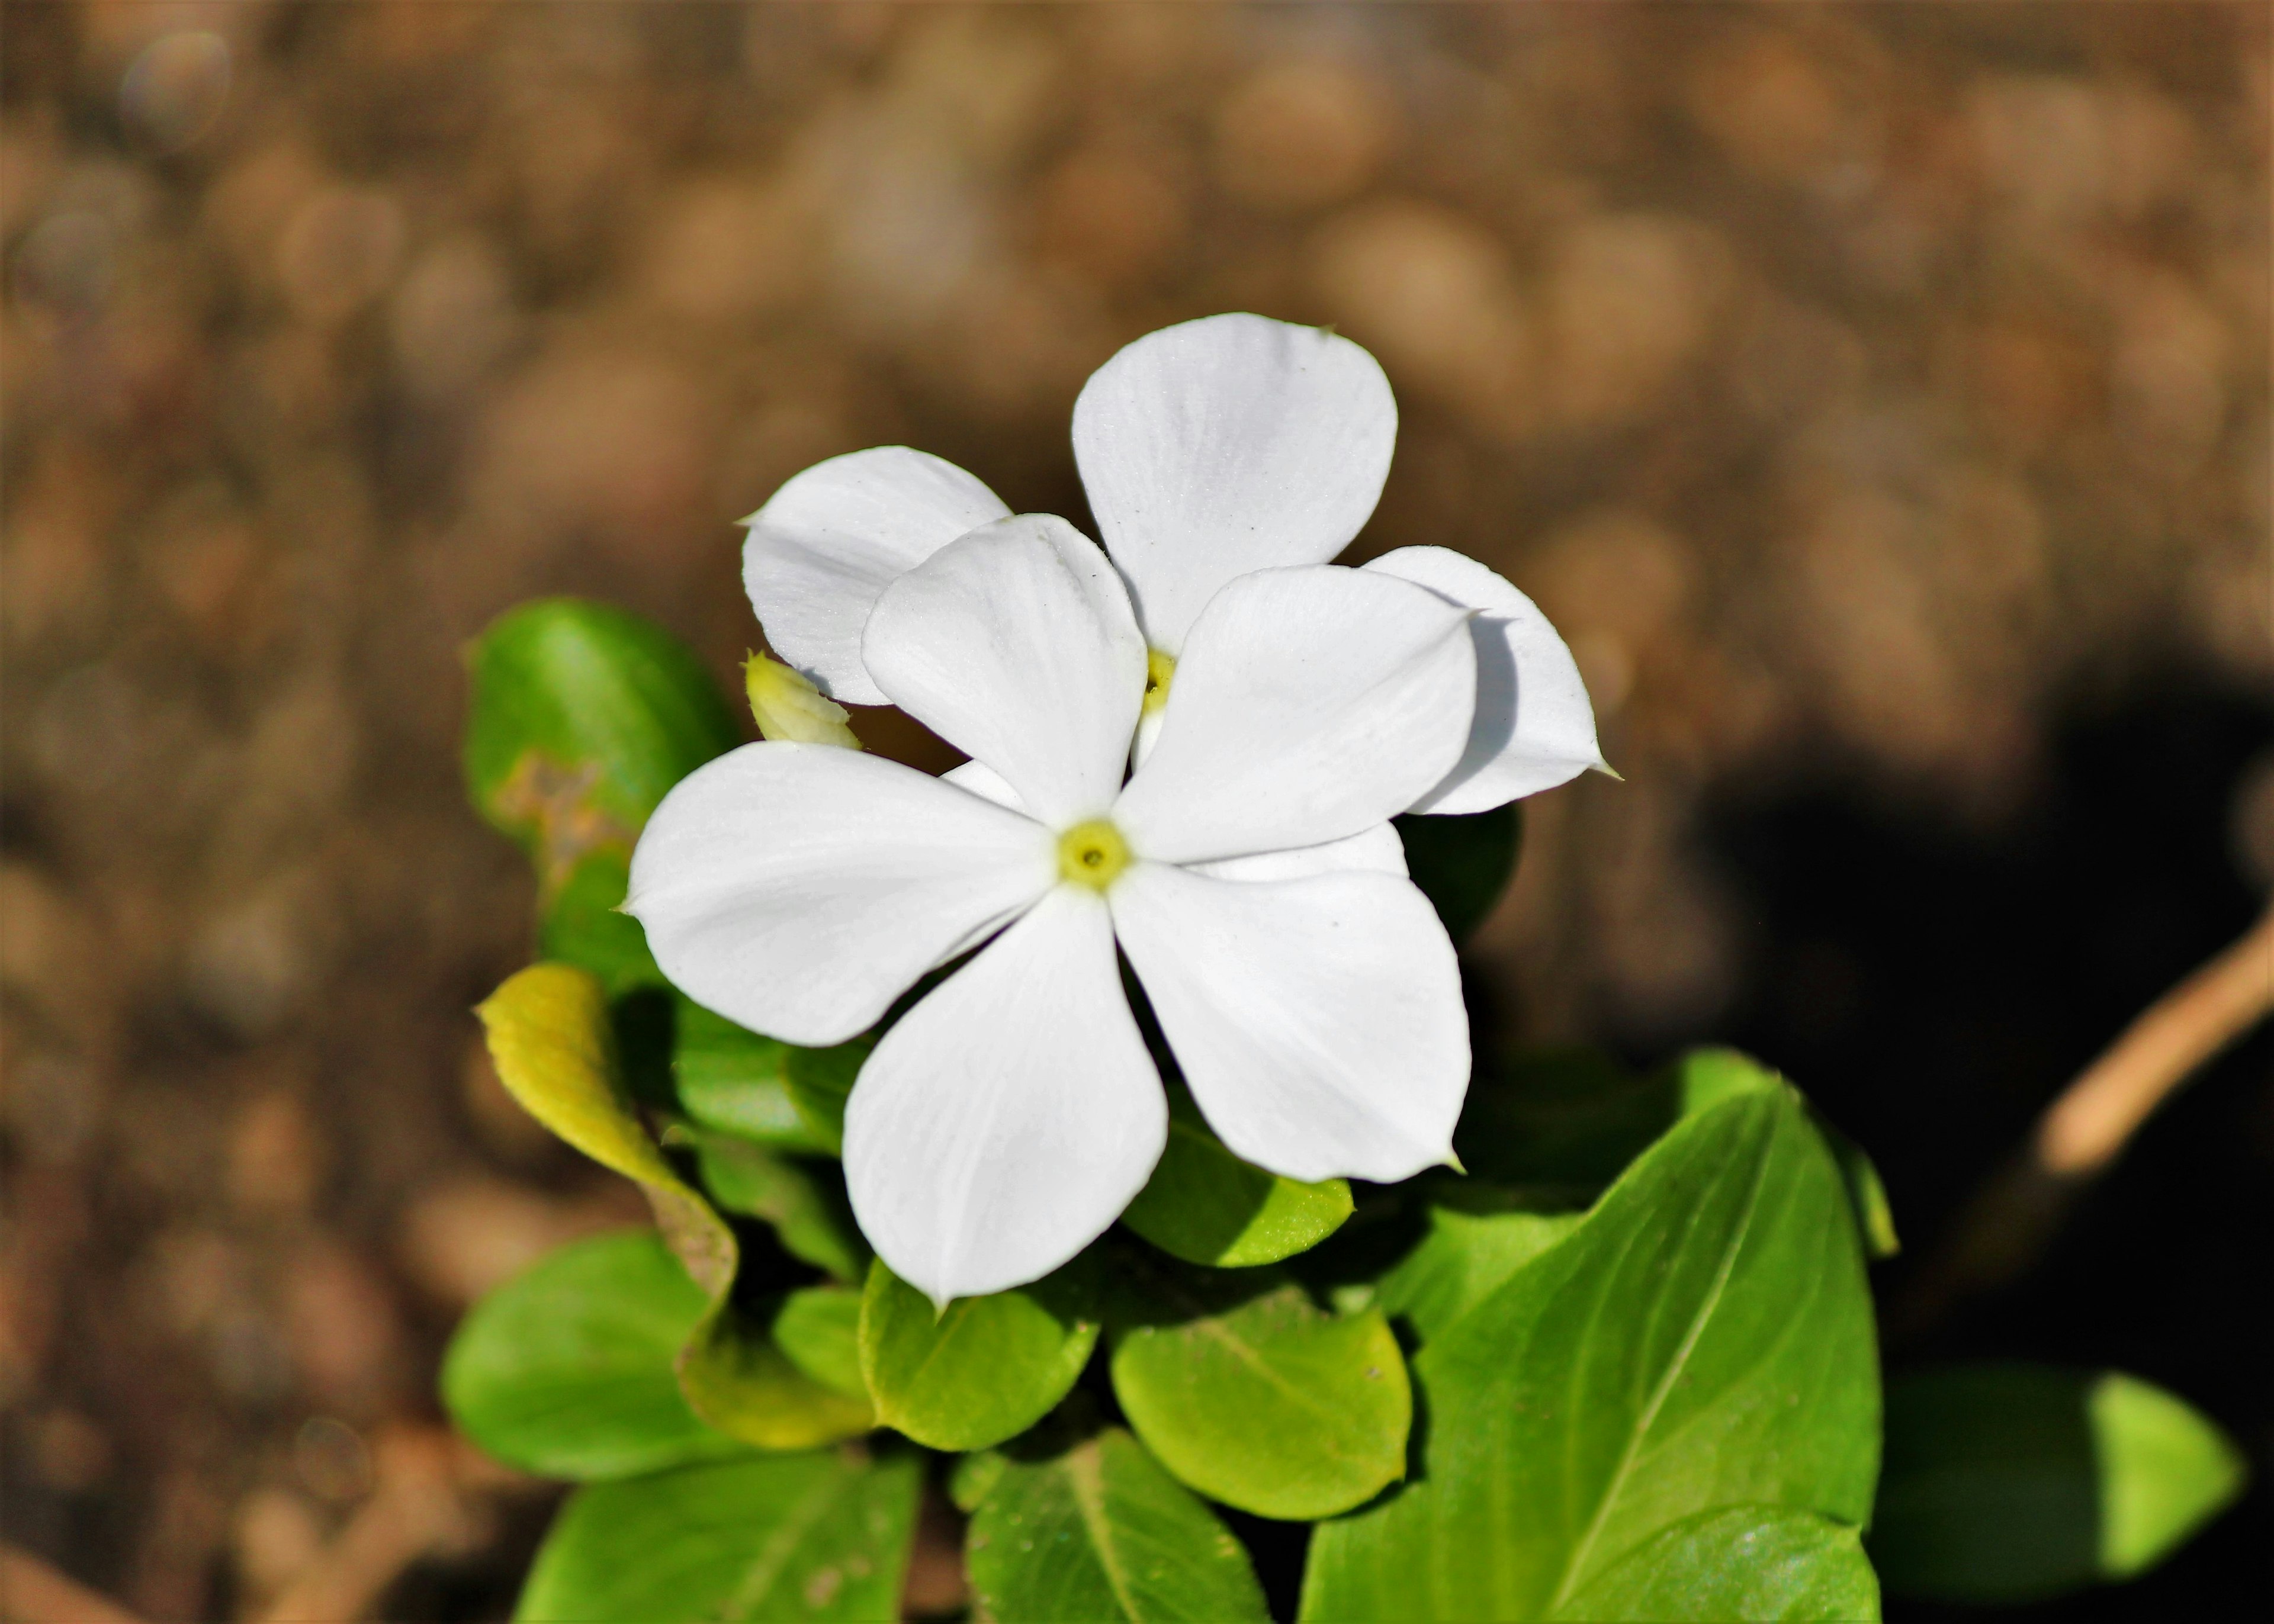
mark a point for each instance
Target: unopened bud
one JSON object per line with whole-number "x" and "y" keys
{"x": 787, "y": 707}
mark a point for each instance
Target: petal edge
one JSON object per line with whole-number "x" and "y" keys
{"x": 1005, "y": 1121}
{"x": 834, "y": 536}
{"x": 1318, "y": 1022}
{"x": 1225, "y": 445}
{"x": 798, "y": 888}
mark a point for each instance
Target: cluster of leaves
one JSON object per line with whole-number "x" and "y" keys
{"x": 1624, "y": 1368}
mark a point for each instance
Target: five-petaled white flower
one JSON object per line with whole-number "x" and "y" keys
{"x": 1285, "y": 709}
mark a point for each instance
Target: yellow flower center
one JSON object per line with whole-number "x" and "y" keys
{"x": 1159, "y": 668}
{"x": 1092, "y": 854}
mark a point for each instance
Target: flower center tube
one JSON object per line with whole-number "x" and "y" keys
{"x": 1092, "y": 854}
{"x": 1159, "y": 669}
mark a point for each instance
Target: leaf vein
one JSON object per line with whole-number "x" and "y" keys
{"x": 773, "y": 1557}
{"x": 1575, "y": 1563}
{"x": 1086, "y": 1478}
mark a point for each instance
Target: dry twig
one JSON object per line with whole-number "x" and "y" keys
{"x": 2019, "y": 1210}
{"x": 33, "y": 1592}
{"x": 429, "y": 1499}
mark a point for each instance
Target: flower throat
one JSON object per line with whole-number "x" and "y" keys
{"x": 1092, "y": 854}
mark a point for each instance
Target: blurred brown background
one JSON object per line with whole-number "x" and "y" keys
{"x": 1868, "y": 392}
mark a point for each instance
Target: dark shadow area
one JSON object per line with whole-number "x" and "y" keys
{"x": 481, "y": 1584}
{"x": 1934, "y": 988}
{"x": 1278, "y": 1550}
{"x": 1989, "y": 1489}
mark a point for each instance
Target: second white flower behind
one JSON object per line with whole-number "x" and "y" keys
{"x": 1247, "y": 871}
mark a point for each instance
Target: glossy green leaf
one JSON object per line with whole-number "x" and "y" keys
{"x": 821, "y": 1536}
{"x": 2009, "y": 1481}
{"x": 614, "y": 699}
{"x": 550, "y": 1038}
{"x": 1747, "y": 1562}
{"x": 820, "y": 1081}
{"x": 1464, "y": 1256}
{"x": 1703, "y": 1077}
{"x": 818, "y": 1328}
{"x": 1462, "y": 863}
{"x": 802, "y": 1198}
{"x": 1098, "y": 1533}
{"x": 986, "y": 1369}
{"x": 1702, "y": 1340}
{"x": 1254, "y": 1396}
{"x": 566, "y": 1370}
{"x": 1206, "y": 1205}
{"x": 582, "y": 717}
{"x": 731, "y": 1080}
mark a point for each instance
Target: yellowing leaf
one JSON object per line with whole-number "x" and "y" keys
{"x": 551, "y": 1042}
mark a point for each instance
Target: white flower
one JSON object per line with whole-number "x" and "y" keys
{"x": 1246, "y": 870}
{"x": 1208, "y": 449}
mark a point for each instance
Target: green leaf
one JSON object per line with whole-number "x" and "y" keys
{"x": 731, "y": 1080}
{"x": 582, "y": 717}
{"x": 785, "y": 1536}
{"x": 743, "y": 1382}
{"x": 1464, "y": 1256}
{"x": 1867, "y": 1197}
{"x": 1570, "y": 1120}
{"x": 1098, "y": 1533}
{"x": 566, "y": 1370}
{"x": 1702, "y": 1340}
{"x": 1750, "y": 1562}
{"x": 819, "y": 1328}
{"x": 612, "y": 697}
{"x": 2012, "y": 1482}
{"x": 1254, "y": 1396}
{"x": 1703, "y": 1077}
{"x": 1206, "y": 1205}
{"x": 578, "y": 921}
{"x": 985, "y": 1369}
{"x": 554, "y": 1049}
{"x": 1706, "y": 1077}
{"x": 803, "y": 1199}
{"x": 1462, "y": 863}
{"x": 820, "y": 1081}
{"x": 974, "y": 1476}
{"x": 2165, "y": 1469}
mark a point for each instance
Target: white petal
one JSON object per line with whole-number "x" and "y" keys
{"x": 1015, "y": 644}
{"x": 1149, "y": 735}
{"x": 984, "y": 782}
{"x": 1377, "y": 850}
{"x": 1225, "y": 445}
{"x": 1008, "y": 1118}
{"x": 834, "y": 536}
{"x": 1534, "y": 728}
{"x": 1309, "y": 704}
{"x": 799, "y": 889}
{"x": 1318, "y": 1022}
